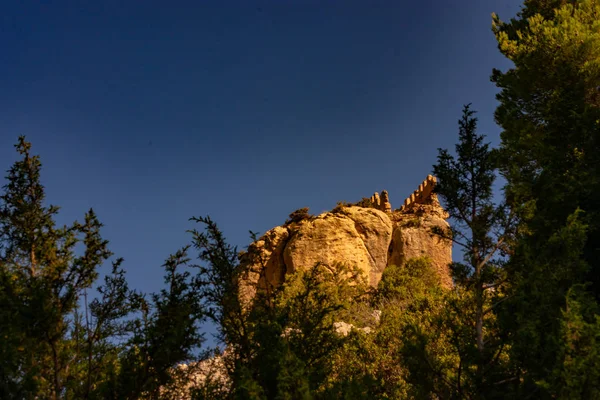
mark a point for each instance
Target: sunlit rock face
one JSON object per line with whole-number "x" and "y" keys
{"x": 370, "y": 236}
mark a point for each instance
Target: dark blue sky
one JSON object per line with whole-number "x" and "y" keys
{"x": 152, "y": 113}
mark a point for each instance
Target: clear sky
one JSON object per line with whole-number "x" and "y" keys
{"x": 151, "y": 112}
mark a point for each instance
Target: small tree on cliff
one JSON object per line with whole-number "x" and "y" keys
{"x": 479, "y": 228}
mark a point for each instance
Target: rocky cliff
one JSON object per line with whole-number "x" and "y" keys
{"x": 368, "y": 234}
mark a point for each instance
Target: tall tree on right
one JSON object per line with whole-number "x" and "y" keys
{"x": 550, "y": 115}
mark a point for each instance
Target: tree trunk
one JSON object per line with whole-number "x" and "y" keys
{"x": 56, "y": 384}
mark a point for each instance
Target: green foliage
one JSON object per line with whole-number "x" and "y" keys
{"x": 281, "y": 343}
{"x": 481, "y": 229}
{"x": 412, "y": 303}
{"x": 577, "y": 374}
{"x": 339, "y": 207}
{"x": 299, "y": 215}
{"x": 58, "y": 343}
{"x": 549, "y": 112}
{"x": 164, "y": 335}
{"x": 42, "y": 281}
{"x": 412, "y": 223}
{"x": 365, "y": 202}
{"x": 219, "y": 284}
{"x": 404, "y": 283}
{"x": 387, "y": 362}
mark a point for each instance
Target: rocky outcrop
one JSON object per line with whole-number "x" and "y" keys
{"x": 381, "y": 203}
{"x": 193, "y": 376}
{"x": 344, "y": 328}
{"x": 414, "y": 237}
{"x": 371, "y": 238}
{"x": 353, "y": 235}
{"x": 423, "y": 195}
{"x": 264, "y": 262}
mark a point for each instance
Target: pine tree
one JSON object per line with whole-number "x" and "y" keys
{"x": 281, "y": 343}
{"x": 550, "y": 115}
{"x": 58, "y": 339}
{"x": 164, "y": 335}
{"x": 480, "y": 229}
{"x": 42, "y": 279}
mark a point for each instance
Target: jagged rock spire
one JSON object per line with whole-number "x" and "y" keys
{"x": 423, "y": 195}
{"x": 382, "y": 203}
{"x": 385, "y": 202}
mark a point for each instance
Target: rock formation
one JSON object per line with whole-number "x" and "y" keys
{"x": 385, "y": 202}
{"x": 371, "y": 237}
{"x": 381, "y": 203}
{"x": 423, "y": 195}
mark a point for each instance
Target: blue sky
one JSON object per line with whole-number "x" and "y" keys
{"x": 152, "y": 112}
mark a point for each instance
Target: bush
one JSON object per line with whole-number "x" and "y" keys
{"x": 299, "y": 215}
{"x": 403, "y": 282}
{"x": 339, "y": 208}
{"x": 365, "y": 202}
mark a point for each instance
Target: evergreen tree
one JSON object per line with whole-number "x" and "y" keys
{"x": 42, "y": 279}
{"x": 550, "y": 115}
{"x": 55, "y": 342}
{"x": 480, "y": 229}
{"x": 166, "y": 334}
{"x": 280, "y": 344}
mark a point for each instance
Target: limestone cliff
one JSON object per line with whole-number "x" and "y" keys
{"x": 369, "y": 235}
